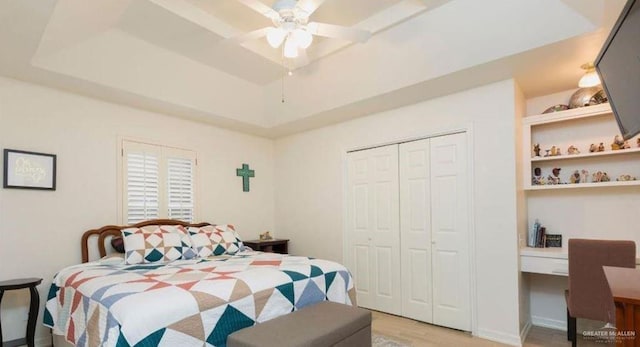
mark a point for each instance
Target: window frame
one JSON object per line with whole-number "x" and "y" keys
{"x": 166, "y": 151}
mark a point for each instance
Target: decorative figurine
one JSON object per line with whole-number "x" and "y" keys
{"x": 585, "y": 176}
{"x": 575, "y": 178}
{"x": 597, "y": 177}
{"x": 593, "y": 148}
{"x": 617, "y": 144}
{"x": 573, "y": 150}
{"x": 537, "y": 179}
{"x": 601, "y": 147}
{"x": 555, "y": 178}
{"x": 626, "y": 145}
{"x": 266, "y": 236}
{"x": 554, "y": 151}
{"x": 600, "y": 177}
{"x": 625, "y": 178}
{"x": 536, "y": 150}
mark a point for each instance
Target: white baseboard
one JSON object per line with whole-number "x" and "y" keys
{"x": 549, "y": 323}
{"x": 525, "y": 331}
{"x": 497, "y": 336}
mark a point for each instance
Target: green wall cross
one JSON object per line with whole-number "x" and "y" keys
{"x": 245, "y": 172}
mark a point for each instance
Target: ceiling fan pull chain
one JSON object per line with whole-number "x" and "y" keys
{"x": 284, "y": 67}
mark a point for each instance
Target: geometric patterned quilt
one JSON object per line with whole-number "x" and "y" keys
{"x": 196, "y": 302}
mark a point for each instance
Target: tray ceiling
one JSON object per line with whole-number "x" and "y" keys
{"x": 170, "y": 55}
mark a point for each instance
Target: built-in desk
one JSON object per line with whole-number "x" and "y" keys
{"x": 549, "y": 261}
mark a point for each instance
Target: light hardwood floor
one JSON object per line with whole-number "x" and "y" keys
{"x": 414, "y": 333}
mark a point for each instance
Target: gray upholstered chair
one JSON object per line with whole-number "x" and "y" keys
{"x": 589, "y": 295}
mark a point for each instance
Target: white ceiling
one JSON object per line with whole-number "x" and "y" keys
{"x": 171, "y": 56}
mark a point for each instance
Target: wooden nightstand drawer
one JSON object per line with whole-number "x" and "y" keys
{"x": 273, "y": 246}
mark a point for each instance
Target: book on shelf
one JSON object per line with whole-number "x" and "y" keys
{"x": 541, "y": 237}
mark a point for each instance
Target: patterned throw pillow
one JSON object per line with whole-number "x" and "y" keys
{"x": 156, "y": 243}
{"x": 215, "y": 240}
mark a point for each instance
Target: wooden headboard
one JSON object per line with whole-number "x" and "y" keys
{"x": 116, "y": 231}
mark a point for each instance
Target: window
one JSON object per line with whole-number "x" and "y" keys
{"x": 158, "y": 182}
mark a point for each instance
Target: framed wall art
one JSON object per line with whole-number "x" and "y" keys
{"x": 29, "y": 170}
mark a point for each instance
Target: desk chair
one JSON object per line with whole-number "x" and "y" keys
{"x": 589, "y": 295}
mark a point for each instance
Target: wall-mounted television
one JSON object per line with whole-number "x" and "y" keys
{"x": 618, "y": 65}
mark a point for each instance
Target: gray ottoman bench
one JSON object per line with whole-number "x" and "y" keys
{"x": 323, "y": 324}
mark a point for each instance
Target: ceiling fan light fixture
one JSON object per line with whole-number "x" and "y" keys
{"x": 290, "y": 48}
{"x": 275, "y": 37}
{"x": 302, "y": 37}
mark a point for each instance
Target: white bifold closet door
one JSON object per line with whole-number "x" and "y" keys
{"x": 434, "y": 231}
{"x": 374, "y": 250}
{"x": 407, "y": 237}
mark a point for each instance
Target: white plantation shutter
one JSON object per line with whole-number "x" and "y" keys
{"x": 158, "y": 182}
{"x": 143, "y": 200}
{"x": 180, "y": 186}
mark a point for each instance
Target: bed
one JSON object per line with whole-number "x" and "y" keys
{"x": 185, "y": 302}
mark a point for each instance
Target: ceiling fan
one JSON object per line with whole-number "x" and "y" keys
{"x": 292, "y": 28}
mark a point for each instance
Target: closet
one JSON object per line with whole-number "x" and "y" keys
{"x": 407, "y": 241}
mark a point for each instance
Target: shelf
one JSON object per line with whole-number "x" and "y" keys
{"x": 585, "y": 185}
{"x": 586, "y": 155}
{"x": 575, "y": 113}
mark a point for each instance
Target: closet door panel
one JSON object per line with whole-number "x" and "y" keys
{"x": 386, "y": 234}
{"x": 449, "y": 206}
{"x": 373, "y": 240}
{"x": 415, "y": 230}
{"x": 359, "y": 257}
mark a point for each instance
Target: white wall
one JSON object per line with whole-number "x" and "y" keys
{"x": 40, "y": 230}
{"x": 310, "y": 170}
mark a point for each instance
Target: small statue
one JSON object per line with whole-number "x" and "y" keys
{"x": 536, "y": 150}
{"x": 573, "y": 150}
{"x": 593, "y": 148}
{"x": 625, "y": 178}
{"x": 537, "y": 179}
{"x": 266, "y": 236}
{"x": 601, "y": 147}
{"x": 555, "y": 177}
{"x": 554, "y": 151}
{"x": 617, "y": 144}
{"x": 575, "y": 178}
{"x": 597, "y": 177}
{"x": 600, "y": 177}
{"x": 626, "y": 145}
{"x": 585, "y": 176}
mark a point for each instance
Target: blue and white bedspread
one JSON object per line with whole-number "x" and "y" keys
{"x": 186, "y": 302}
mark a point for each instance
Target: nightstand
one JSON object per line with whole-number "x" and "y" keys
{"x": 34, "y": 305}
{"x": 273, "y": 246}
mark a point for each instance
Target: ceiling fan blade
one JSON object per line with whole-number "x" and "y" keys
{"x": 261, "y": 8}
{"x": 309, "y": 6}
{"x": 339, "y": 32}
{"x": 252, "y": 35}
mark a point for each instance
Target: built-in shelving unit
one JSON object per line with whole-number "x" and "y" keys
{"x": 580, "y": 127}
